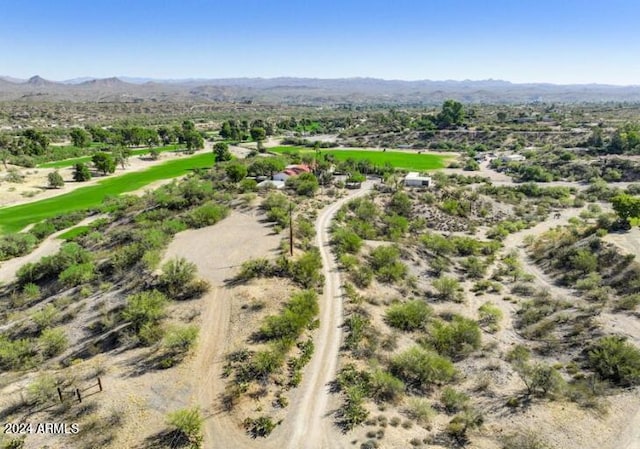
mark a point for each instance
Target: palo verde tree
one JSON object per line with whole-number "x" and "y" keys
{"x": 627, "y": 207}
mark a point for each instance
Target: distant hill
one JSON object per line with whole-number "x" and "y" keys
{"x": 306, "y": 91}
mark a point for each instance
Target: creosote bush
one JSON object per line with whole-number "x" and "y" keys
{"x": 409, "y": 316}
{"x": 188, "y": 422}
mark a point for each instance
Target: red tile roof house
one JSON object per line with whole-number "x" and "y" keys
{"x": 291, "y": 170}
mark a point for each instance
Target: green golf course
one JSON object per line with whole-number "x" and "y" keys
{"x": 14, "y": 218}
{"x": 397, "y": 159}
{"x": 87, "y": 159}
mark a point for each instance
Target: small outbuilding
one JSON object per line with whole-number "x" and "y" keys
{"x": 415, "y": 179}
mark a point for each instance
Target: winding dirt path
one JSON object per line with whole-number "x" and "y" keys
{"x": 217, "y": 251}
{"x": 309, "y": 425}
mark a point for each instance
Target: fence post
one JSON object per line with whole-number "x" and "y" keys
{"x": 78, "y": 394}
{"x": 60, "y": 395}
{"x": 100, "y": 383}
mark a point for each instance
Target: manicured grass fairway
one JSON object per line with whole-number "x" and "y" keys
{"x": 398, "y": 159}
{"x": 86, "y": 159}
{"x": 14, "y": 218}
{"x": 74, "y": 232}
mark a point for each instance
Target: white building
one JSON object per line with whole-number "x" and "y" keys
{"x": 268, "y": 183}
{"x": 414, "y": 179}
{"x": 513, "y": 158}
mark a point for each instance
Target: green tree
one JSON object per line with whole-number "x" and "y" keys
{"x": 626, "y": 206}
{"x": 451, "y": 115}
{"x": 617, "y": 360}
{"x": 121, "y": 155}
{"x": 81, "y": 172}
{"x": 104, "y": 162}
{"x": 258, "y": 134}
{"x": 80, "y": 138}
{"x": 221, "y": 152}
{"x": 193, "y": 140}
{"x": 236, "y": 172}
{"x": 55, "y": 180}
{"x": 143, "y": 308}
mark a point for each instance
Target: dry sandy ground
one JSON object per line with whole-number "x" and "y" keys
{"x": 36, "y": 179}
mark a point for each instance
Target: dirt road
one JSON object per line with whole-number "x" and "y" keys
{"x": 217, "y": 251}
{"x": 308, "y": 424}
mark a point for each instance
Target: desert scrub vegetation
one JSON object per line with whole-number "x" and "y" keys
{"x": 305, "y": 270}
{"x": 280, "y": 339}
{"x": 187, "y": 423}
{"x": 409, "y": 316}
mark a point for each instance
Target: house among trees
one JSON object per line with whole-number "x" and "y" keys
{"x": 291, "y": 170}
{"x": 415, "y": 179}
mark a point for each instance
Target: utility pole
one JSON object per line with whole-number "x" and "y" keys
{"x": 291, "y": 229}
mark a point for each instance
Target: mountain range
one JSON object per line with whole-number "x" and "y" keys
{"x": 311, "y": 91}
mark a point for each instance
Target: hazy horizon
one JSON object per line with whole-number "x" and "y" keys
{"x": 520, "y": 42}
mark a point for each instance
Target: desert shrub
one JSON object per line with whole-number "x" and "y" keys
{"x": 385, "y": 387}
{"x": 616, "y": 360}
{"x": 357, "y": 327}
{"x": 447, "y": 288}
{"x": 420, "y": 410}
{"x": 259, "y": 427}
{"x": 490, "y": 316}
{"x": 458, "y": 427}
{"x": 420, "y": 368}
{"x": 408, "y": 316}
{"x": 474, "y": 267}
{"x": 346, "y": 241}
{"x": 15, "y": 245}
{"x": 524, "y": 439}
{"x": 396, "y": 226}
{"x": 50, "y": 266}
{"x": 207, "y": 215}
{"x": 42, "y": 389}
{"x": 46, "y": 316}
{"x": 540, "y": 379}
{"x": 16, "y": 354}
{"x": 384, "y": 261}
{"x": 254, "y": 268}
{"x": 438, "y": 244}
{"x": 77, "y": 274}
{"x": 452, "y": 400}
{"x": 31, "y": 291}
{"x": 188, "y": 422}
{"x": 628, "y": 302}
{"x": 146, "y": 307}
{"x": 352, "y": 412}
{"x": 518, "y": 354}
{"x": 55, "y": 180}
{"x": 52, "y": 342}
{"x": 306, "y": 270}
{"x": 179, "y": 339}
{"x": 296, "y": 316}
{"x": 362, "y": 277}
{"x": 486, "y": 285}
{"x": 177, "y": 274}
{"x": 455, "y": 339}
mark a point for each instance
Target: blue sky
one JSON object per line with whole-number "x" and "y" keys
{"x": 561, "y": 41}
